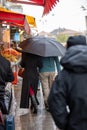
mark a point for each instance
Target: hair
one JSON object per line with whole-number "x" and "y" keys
{"x": 76, "y": 40}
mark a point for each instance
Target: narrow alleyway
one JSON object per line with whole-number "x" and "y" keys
{"x": 40, "y": 121}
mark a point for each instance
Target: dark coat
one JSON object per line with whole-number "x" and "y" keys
{"x": 31, "y": 63}
{"x": 2, "y": 127}
{"x": 70, "y": 90}
{"x": 6, "y": 74}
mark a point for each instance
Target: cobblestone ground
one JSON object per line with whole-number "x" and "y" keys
{"x": 25, "y": 119}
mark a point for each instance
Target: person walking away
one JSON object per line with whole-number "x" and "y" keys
{"x": 47, "y": 75}
{"x": 6, "y": 75}
{"x": 31, "y": 63}
{"x": 68, "y": 96}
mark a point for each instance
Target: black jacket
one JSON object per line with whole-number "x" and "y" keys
{"x": 70, "y": 90}
{"x": 6, "y": 74}
{"x": 31, "y": 63}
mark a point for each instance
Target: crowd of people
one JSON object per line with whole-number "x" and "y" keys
{"x": 38, "y": 69}
{"x": 64, "y": 90}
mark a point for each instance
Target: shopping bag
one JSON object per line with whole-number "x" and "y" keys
{"x": 5, "y": 99}
{"x": 9, "y": 122}
{"x": 8, "y": 100}
{"x": 21, "y": 72}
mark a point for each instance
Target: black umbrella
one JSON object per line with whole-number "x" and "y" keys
{"x": 43, "y": 46}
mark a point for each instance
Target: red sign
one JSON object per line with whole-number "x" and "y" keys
{"x": 34, "y": 2}
{"x": 12, "y": 18}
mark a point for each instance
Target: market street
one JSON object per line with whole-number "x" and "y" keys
{"x": 40, "y": 121}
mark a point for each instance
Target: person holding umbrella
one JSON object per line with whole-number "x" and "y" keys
{"x": 31, "y": 63}
{"x": 68, "y": 96}
{"x": 47, "y": 75}
{"x": 49, "y": 49}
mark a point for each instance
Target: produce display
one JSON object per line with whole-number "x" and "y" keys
{"x": 11, "y": 54}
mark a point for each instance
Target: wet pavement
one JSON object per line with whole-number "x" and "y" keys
{"x": 25, "y": 119}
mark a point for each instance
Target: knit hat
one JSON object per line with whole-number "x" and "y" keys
{"x": 76, "y": 40}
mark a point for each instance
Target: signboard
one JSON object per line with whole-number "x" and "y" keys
{"x": 35, "y": 2}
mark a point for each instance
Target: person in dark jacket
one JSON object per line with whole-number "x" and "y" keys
{"x": 68, "y": 97}
{"x": 6, "y": 75}
{"x": 31, "y": 63}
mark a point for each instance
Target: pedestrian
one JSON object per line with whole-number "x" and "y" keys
{"x": 6, "y": 75}
{"x": 31, "y": 63}
{"x": 68, "y": 96}
{"x": 47, "y": 75}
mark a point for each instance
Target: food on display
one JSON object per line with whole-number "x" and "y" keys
{"x": 11, "y": 54}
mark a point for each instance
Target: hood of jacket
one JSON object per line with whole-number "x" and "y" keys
{"x": 75, "y": 59}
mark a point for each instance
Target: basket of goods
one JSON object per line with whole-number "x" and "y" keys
{"x": 11, "y": 54}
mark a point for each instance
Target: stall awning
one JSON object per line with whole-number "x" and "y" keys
{"x": 34, "y": 2}
{"x": 47, "y": 4}
{"x": 16, "y": 18}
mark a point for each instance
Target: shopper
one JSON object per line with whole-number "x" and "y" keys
{"x": 31, "y": 63}
{"x": 68, "y": 96}
{"x": 6, "y": 75}
{"x": 51, "y": 67}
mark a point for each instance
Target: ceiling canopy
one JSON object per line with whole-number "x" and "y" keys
{"x": 47, "y": 4}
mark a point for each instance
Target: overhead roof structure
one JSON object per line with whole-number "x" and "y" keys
{"x": 47, "y": 4}
{"x": 16, "y": 18}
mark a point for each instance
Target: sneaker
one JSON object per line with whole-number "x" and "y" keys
{"x": 46, "y": 107}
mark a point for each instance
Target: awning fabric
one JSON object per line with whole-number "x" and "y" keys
{"x": 34, "y": 2}
{"x": 47, "y": 4}
{"x": 16, "y": 18}
{"x": 12, "y": 18}
{"x": 31, "y": 20}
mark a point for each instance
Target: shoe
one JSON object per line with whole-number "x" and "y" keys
{"x": 46, "y": 107}
{"x": 33, "y": 110}
{"x": 34, "y": 105}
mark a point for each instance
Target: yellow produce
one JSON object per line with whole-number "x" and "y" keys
{"x": 11, "y": 54}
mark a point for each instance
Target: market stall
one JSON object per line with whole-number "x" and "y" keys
{"x": 23, "y": 22}
{"x": 19, "y": 21}
{"x": 16, "y": 19}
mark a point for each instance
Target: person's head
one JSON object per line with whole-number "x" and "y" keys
{"x": 76, "y": 40}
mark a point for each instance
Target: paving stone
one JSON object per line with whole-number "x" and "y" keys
{"x": 29, "y": 121}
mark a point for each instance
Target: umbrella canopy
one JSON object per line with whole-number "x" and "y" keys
{"x": 47, "y": 4}
{"x": 42, "y": 46}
